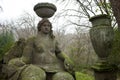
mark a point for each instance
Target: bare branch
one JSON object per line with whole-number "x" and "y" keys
{"x": 79, "y": 24}
{"x": 98, "y": 4}
{"x": 83, "y": 8}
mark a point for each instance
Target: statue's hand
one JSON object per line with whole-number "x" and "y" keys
{"x": 13, "y": 66}
{"x": 69, "y": 66}
{"x": 16, "y": 62}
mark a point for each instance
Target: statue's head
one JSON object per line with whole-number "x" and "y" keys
{"x": 45, "y": 26}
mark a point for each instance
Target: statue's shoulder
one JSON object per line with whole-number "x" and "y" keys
{"x": 31, "y": 39}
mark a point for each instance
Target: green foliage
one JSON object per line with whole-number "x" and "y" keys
{"x": 114, "y": 57}
{"x": 67, "y": 59}
{"x": 78, "y": 56}
{"x": 82, "y": 76}
{"x": 6, "y": 41}
{"x": 75, "y": 67}
{"x": 106, "y": 7}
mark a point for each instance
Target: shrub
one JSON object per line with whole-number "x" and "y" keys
{"x": 6, "y": 41}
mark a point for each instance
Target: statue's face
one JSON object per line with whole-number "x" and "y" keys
{"x": 45, "y": 28}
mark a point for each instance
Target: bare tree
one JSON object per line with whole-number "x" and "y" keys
{"x": 25, "y": 26}
{"x": 83, "y": 10}
{"x": 80, "y": 49}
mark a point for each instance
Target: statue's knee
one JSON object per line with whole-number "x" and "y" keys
{"x": 63, "y": 76}
{"x": 33, "y": 73}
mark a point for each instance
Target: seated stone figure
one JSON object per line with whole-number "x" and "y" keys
{"x": 15, "y": 52}
{"x": 41, "y": 58}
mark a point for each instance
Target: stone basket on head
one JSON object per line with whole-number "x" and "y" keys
{"x": 45, "y": 10}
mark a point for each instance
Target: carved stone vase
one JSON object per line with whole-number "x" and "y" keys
{"x": 45, "y": 10}
{"x": 101, "y": 35}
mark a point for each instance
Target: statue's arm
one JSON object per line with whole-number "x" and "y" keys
{"x": 58, "y": 52}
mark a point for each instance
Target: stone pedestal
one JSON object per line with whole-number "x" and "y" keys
{"x": 104, "y": 71}
{"x": 105, "y": 75}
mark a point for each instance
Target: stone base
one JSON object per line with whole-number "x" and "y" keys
{"x": 110, "y": 75}
{"x": 105, "y": 71}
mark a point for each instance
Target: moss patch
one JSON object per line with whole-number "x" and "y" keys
{"x": 82, "y": 76}
{"x": 103, "y": 67}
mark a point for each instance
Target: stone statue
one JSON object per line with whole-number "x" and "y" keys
{"x": 15, "y": 52}
{"x": 41, "y": 58}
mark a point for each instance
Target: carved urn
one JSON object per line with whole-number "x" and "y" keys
{"x": 45, "y": 10}
{"x": 101, "y": 35}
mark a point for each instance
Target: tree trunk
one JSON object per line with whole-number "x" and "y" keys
{"x": 116, "y": 10}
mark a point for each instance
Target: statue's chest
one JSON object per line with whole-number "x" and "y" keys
{"x": 44, "y": 51}
{"x": 45, "y": 45}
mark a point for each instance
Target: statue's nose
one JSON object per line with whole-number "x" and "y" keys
{"x": 46, "y": 27}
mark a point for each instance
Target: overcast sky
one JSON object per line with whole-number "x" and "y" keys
{"x": 14, "y": 8}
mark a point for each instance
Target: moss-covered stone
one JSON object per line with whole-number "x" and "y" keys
{"x": 63, "y": 76}
{"x": 99, "y": 20}
{"x": 82, "y": 76}
{"x": 103, "y": 67}
{"x": 33, "y": 73}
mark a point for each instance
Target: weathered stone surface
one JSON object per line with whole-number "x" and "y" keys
{"x": 33, "y": 73}
{"x": 40, "y": 55}
{"x": 63, "y": 76}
